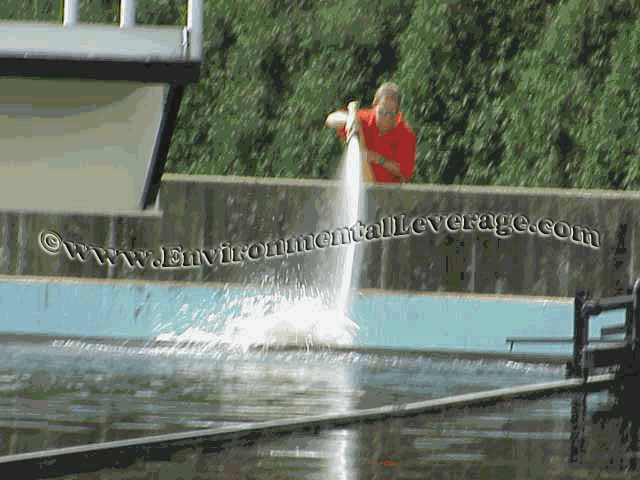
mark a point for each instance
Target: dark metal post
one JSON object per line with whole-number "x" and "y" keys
{"x": 579, "y": 337}
{"x": 635, "y": 330}
{"x": 628, "y": 318}
{"x": 578, "y": 413}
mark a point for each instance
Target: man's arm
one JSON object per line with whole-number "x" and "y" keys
{"x": 340, "y": 121}
{"x": 336, "y": 120}
{"x": 402, "y": 166}
{"x": 390, "y": 165}
{"x": 405, "y": 160}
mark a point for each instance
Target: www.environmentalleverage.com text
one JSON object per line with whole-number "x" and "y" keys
{"x": 393, "y": 226}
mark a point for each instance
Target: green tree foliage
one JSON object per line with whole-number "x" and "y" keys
{"x": 556, "y": 132}
{"x": 519, "y": 93}
{"x": 612, "y": 140}
{"x": 507, "y": 92}
{"x": 345, "y": 50}
{"x": 457, "y": 71}
{"x": 32, "y": 10}
{"x": 274, "y": 71}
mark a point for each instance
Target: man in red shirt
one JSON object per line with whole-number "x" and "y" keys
{"x": 390, "y": 144}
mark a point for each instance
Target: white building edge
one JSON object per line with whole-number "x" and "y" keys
{"x": 87, "y": 111}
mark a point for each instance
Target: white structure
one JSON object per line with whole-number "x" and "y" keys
{"x": 87, "y": 111}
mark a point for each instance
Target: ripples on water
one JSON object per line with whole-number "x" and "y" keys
{"x": 71, "y": 393}
{"x": 80, "y": 375}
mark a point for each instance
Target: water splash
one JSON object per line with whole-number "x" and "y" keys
{"x": 351, "y": 206}
{"x": 298, "y": 322}
{"x": 291, "y": 315}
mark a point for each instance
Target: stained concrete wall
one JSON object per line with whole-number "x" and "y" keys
{"x": 203, "y": 212}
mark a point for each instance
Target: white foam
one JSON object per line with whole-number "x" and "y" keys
{"x": 304, "y": 322}
{"x": 279, "y": 320}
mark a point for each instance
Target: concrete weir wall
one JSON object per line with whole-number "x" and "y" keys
{"x": 201, "y": 213}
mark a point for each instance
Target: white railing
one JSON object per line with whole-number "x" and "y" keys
{"x": 193, "y": 29}
{"x": 70, "y": 13}
{"x": 127, "y": 13}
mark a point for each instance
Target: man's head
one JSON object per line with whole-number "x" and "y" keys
{"x": 387, "y": 105}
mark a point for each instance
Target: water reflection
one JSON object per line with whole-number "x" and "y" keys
{"x": 290, "y": 389}
{"x": 61, "y": 396}
{"x": 608, "y": 438}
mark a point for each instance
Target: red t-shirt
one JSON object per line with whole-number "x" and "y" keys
{"x": 398, "y": 144}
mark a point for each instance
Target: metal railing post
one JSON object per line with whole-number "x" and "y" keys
{"x": 70, "y": 13}
{"x": 635, "y": 329}
{"x": 579, "y": 323}
{"x": 127, "y": 13}
{"x": 194, "y": 27}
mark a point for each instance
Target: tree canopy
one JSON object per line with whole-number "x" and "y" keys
{"x": 498, "y": 92}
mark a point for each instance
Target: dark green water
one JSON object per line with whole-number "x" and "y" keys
{"x": 56, "y": 395}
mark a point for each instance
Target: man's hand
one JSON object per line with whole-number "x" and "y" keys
{"x": 336, "y": 120}
{"x": 372, "y": 157}
{"x": 391, "y": 166}
{"x": 353, "y": 121}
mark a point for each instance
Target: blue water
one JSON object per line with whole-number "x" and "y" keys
{"x": 385, "y": 320}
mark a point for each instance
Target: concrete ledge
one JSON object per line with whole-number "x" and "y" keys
{"x": 149, "y": 213}
{"x": 124, "y": 282}
{"x": 204, "y": 213}
{"x": 409, "y": 187}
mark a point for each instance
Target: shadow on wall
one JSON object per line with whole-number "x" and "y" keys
{"x": 417, "y": 238}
